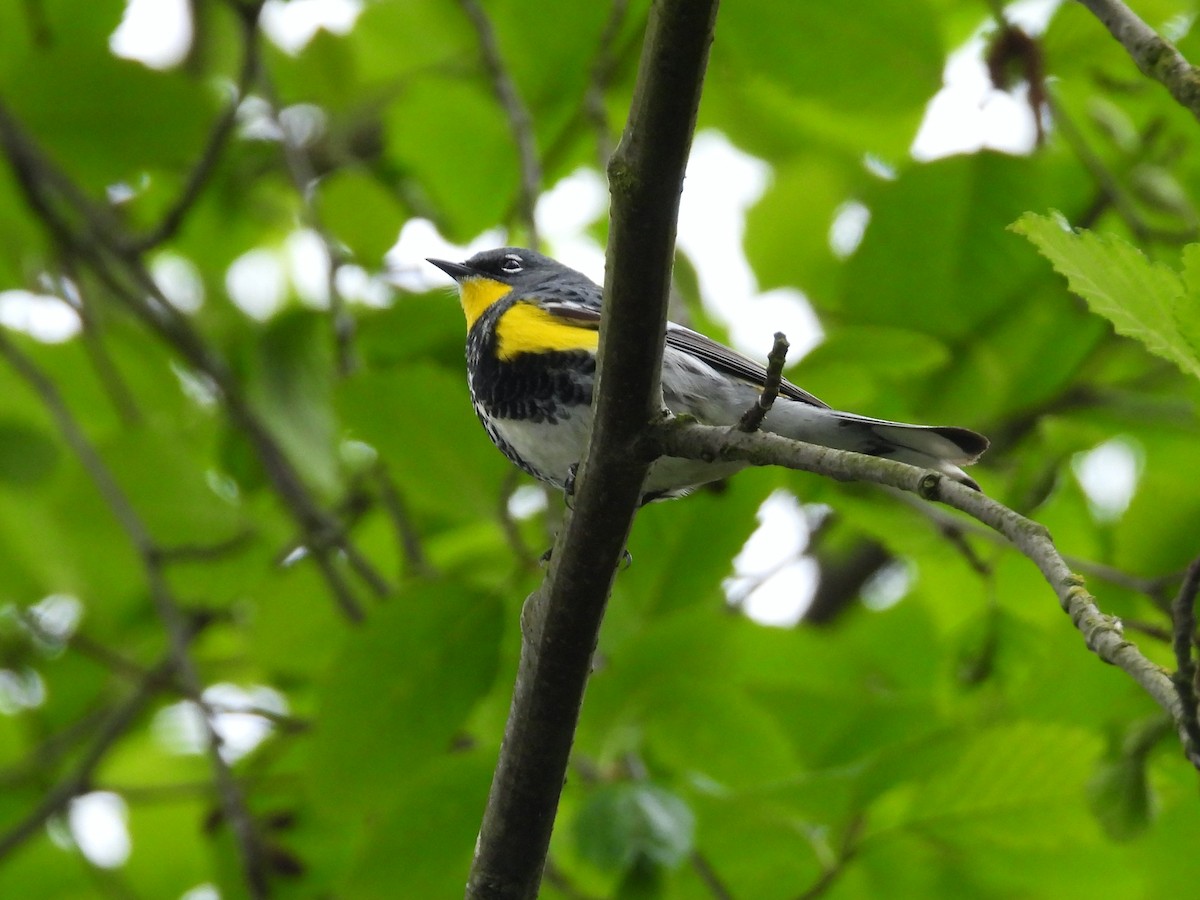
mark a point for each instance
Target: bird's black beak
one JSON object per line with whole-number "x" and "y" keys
{"x": 453, "y": 269}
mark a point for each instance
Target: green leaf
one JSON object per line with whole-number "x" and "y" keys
{"x": 725, "y": 733}
{"x": 623, "y": 823}
{"x": 756, "y": 845}
{"x": 378, "y": 724}
{"x": 420, "y": 420}
{"x": 1144, "y": 300}
{"x": 1119, "y": 795}
{"x": 162, "y": 472}
{"x": 806, "y": 193}
{"x": 422, "y": 848}
{"x": 679, "y": 558}
{"x": 950, "y": 215}
{"x": 357, "y": 209}
{"x": 451, "y": 137}
{"x": 28, "y": 455}
{"x": 105, "y": 118}
{"x": 862, "y": 367}
{"x": 848, "y": 60}
{"x": 1011, "y": 786}
{"x": 1187, "y": 308}
{"x": 424, "y": 327}
{"x": 291, "y": 387}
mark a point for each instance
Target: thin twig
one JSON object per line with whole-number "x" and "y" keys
{"x": 97, "y": 242}
{"x": 409, "y": 539}
{"x": 218, "y": 138}
{"x": 512, "y": 533}
{"x": 1152, "y": 587}
{"x": 72, "y": 290}
{"x": 519, "y": 121}
{"x": 230, "y": 546}
{"x": 113, "y": 728}
{"x": 600, "y": 74}
{"x": 174, "y": 621}
{"x": 303, "y": 176}
{"x": 1157, "y": 632}
{"x": 173, "y": 792}
{"x": 50, "y": 750}
{"x": 93, "y": 650}
{"x": 1111, "y": 190}
{"x": 1183, "y": 616}
{"x": 708, "y": 875}
{"x": 845, "y": 853}
{"x": 1154, "y": 55}
{"x": 776, "y": 360}
{"x": 284, "y": 722}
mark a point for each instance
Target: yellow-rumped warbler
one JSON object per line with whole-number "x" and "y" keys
{"x": 532, "y": 334}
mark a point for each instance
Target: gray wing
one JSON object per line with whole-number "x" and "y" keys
{"x": 725, "y": 360}
{"x": 705, "y": 349}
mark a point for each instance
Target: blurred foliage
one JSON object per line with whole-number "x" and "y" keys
{"x": 961, "y": 742}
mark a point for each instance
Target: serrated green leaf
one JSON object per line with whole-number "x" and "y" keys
{"x": 1014, "y": 785}
{"x": 1116, "y": 280}
{"x": 1187, "y": 306}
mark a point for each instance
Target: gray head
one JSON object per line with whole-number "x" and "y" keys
{"x": 513, "y": 266}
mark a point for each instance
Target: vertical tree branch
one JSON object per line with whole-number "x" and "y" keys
{"x": 561, "y": 620}
{"x": 1183, "y": 615}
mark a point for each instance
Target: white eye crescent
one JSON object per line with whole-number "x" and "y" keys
{"x": 512, "y": 263}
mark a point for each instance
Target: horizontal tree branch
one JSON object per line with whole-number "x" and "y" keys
{"x": 1102, "y": 633}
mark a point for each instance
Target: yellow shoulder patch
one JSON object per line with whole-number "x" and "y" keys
{"x": 525, "y": 328}
{"x": 477, "y": 294}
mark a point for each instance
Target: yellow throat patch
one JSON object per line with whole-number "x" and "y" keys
{"x": 525, "y": 328}
{"x": 477, "y": 294}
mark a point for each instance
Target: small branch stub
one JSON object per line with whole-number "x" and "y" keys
{"x": 752, "y": 419}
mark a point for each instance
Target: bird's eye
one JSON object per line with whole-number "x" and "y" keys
{"x": 511, "y": 264}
